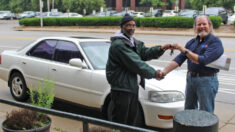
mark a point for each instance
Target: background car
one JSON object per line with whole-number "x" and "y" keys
{"x": 122, "y": 13}
{"x": 7, "y": 15}
{"x": 231, "y": 19}
{"x": 169, "y": 13}
{"x": 138, "y": 14}
{"x": 52, "y": 14}
{"x": 71, "y": 14}
{"x": 217, "y": 11}
{"x": 27, "y": 14}
{"x": 154, "y": 13}
{"x": 78, "y": 68}
{"x": 188, "y": 13}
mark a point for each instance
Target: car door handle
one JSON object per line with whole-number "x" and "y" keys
{"x": 53, "y": 69}
{"x": 24, "y": 63}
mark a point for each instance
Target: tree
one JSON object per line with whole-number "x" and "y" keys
{"x": 79, "y": 5}
{"x": 197, "y": 4}
{"x": 4, "y": 5}
{"x": 16, "y": 5}
{"x": 154, "y": 3}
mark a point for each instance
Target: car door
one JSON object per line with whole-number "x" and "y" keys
{"x": 72, "y": 83}
{"x": 36, "y": 62}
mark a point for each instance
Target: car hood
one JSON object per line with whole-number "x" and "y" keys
{"x": 173, "y": 81}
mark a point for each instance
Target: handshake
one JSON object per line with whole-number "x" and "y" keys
{"x": 160, "y": 74}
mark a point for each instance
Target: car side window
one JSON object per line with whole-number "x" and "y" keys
{"x": 65, "y": 51}
{"x": 43, "y": 49}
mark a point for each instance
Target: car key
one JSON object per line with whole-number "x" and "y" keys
{"x": 172, "y": 52}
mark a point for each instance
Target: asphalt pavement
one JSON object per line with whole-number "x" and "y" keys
{"x": 224, "y": 111}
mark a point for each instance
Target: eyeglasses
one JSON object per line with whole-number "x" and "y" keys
{"x": 130, "y": 25}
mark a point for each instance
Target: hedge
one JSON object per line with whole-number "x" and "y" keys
{"x": 162, "y": 22}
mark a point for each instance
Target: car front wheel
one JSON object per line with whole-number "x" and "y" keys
{"x": 18, "y": 87}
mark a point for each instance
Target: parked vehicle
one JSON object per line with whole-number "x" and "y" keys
{"x": 52, "y": 14}
{"x": 71, "y": 14}
{"x": 27, "y": 14}
{"x": 154, "y": 13}
{"x": 6, "y": 15}
{"x": 122, "y": 13}
{"x": 169, "y": 13}
{"x": 107, "y": 13}
{"x": 78, "y": 68}
{"x": 188, "y": 13}
{"x": 217, "y": 11}
{"x": 231, "y": 19}
{"x": 138, "y": 14}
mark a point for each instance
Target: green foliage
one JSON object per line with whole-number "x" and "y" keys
{"x": 216, "y": 21}
{"x": 24, "y": 119}
{"x": 62, "y": 5}
{"x": 197, "y": 4}
{"x": 162, "y": 22}
{"x": 43, "y": 96}
{"x": 167, "y": 22}
{"x": 154, "y": 3}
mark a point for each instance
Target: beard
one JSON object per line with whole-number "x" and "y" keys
{"x": 203, "y": 34}
{"x": 129, "y": 32}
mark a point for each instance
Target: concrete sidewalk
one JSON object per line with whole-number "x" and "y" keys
{"x": 225, "y": 113}
{"x": 227, "y": 31}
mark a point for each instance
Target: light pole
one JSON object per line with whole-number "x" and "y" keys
{"x": 48, "y": 5}
{"x": 52, "y": 4}
{"x": 41, "y": 6}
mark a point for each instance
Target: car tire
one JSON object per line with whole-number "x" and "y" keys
{"x": 18, "y": 88}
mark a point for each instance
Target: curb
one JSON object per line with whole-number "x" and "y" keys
{"x": 148, "y": 31}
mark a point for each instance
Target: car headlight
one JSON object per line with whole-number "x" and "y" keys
{"x": 165, "y": 96}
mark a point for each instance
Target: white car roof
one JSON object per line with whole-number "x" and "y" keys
{"x": 75, "y": 38}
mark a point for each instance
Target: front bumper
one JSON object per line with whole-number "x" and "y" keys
{"x": 160, "y": 114}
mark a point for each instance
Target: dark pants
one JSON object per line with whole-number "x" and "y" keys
{"x": 125, "y": 108}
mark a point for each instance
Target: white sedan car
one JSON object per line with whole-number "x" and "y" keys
{"x": 78, "y": 67}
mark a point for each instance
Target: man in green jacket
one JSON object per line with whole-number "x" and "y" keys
{"x": 126, "y": 70}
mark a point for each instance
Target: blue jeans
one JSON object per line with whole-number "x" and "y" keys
{"x": 201, "y": 91}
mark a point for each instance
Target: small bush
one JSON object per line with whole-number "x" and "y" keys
{"x": 161, "y": 22}
{"x": 43, "y": 96}
{"x": 216, "y": 21}
{"x": 25, "y": 119}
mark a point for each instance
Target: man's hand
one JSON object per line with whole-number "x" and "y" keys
{"x": 178, "y": 47}
{"x": 159, "y": 75}
{"x": 166, "y": 47}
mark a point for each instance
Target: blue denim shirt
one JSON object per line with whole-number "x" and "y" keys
{"x": 209, "y": 49}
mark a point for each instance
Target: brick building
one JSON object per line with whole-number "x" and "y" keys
{"x": 120, "y": 5}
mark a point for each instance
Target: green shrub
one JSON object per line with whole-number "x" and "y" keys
{"x": 25, "y": 119}
{"x": 161, "y": 22}
{"x": 216, "y": 21}
{"x": 43, "y": 96}
{"x": 167, "y": 22}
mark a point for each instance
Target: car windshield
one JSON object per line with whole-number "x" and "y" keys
{"x": 211, "y": 11}
{"x": 97, "y": 53}
{"x": 186, "y": 12}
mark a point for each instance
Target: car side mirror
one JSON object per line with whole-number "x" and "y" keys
{"x": 77, "y": 63}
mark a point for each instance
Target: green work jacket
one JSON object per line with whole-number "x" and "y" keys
{"x": 125, "y": 62}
